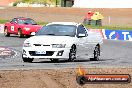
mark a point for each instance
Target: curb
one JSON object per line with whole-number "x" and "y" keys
{"x": 1, "y": 28}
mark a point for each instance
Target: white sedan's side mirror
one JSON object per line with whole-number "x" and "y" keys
{"x": 81, "y": 35}
{"x": 33, "y": 33}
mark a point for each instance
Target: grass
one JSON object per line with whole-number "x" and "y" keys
{"x": 54, "y": 2}
{"x": 42, "y": 23}
{"x": 113, "y": 27}
{"x": 3, "y": 21}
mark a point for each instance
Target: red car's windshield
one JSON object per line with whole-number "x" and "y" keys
{"x": 27, "y": 21}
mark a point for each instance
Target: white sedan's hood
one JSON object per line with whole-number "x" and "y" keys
{"x": 50, "y": 40}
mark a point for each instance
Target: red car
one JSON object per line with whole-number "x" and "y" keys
{"x": 21, "y": 26}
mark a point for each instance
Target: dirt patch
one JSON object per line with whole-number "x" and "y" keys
{"x": 63, "y": 78}
{"x": 117, "y": 17}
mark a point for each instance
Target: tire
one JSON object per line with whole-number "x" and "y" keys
{"x": 28, "y": 36}
{"x": 20, "y": 35}
{"x": 54, "y": 60}
{"x": 27, "y": 59}
{"x": 6, "y": 34}
{"x": 96, "y": 54}
{"x": 81, "y": 80}
{"x": 72, "y": 54}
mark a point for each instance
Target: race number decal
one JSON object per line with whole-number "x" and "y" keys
{"x": 12, "y": 28}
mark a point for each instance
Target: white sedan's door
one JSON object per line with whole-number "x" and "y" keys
{"x": 85, "y": 45}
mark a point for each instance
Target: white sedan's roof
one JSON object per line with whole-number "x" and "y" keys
{"x": 64, "y": 23}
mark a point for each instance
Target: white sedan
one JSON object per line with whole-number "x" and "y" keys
{"x": 62, "y": 40}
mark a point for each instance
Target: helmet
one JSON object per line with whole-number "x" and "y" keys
{"x": 89, "y": 11}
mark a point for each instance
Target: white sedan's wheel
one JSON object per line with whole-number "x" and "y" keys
{"x": 72, "y": 54}
{"x": 96, "y": 54}
{"x": 27, "y": 59}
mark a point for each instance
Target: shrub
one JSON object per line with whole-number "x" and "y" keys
{"x": 15, "y": 3}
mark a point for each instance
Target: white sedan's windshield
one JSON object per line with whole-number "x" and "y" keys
{"x": 58, "y": 30}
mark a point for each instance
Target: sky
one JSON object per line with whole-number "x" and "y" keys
{"x": 103, "y": 3}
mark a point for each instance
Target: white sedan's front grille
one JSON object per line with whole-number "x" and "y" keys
{"x": 48, "y": 53}
{"x": 40, "y": 45}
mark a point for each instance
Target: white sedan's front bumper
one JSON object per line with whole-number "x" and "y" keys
{"x": 56, "y": 53}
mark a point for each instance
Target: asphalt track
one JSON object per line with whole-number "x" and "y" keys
{"x": 115, "y": 54}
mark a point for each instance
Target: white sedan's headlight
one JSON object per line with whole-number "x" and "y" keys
{"x": 58, "y": 45}
{"x": 26, "y": 45}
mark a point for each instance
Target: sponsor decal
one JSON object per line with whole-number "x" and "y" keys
{"x": 114, "y": 34}
{"x": 83, "y": 78}
{"x": 118, "y": 34}
{"x": 6, "y": 52}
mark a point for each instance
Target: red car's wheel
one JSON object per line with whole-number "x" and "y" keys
{"x": 20, "y": 35}
{"x": 6, "y": 33}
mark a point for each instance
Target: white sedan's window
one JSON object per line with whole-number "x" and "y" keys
{"x": 58, "y": 30}
{"x": 81, "y": 30}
